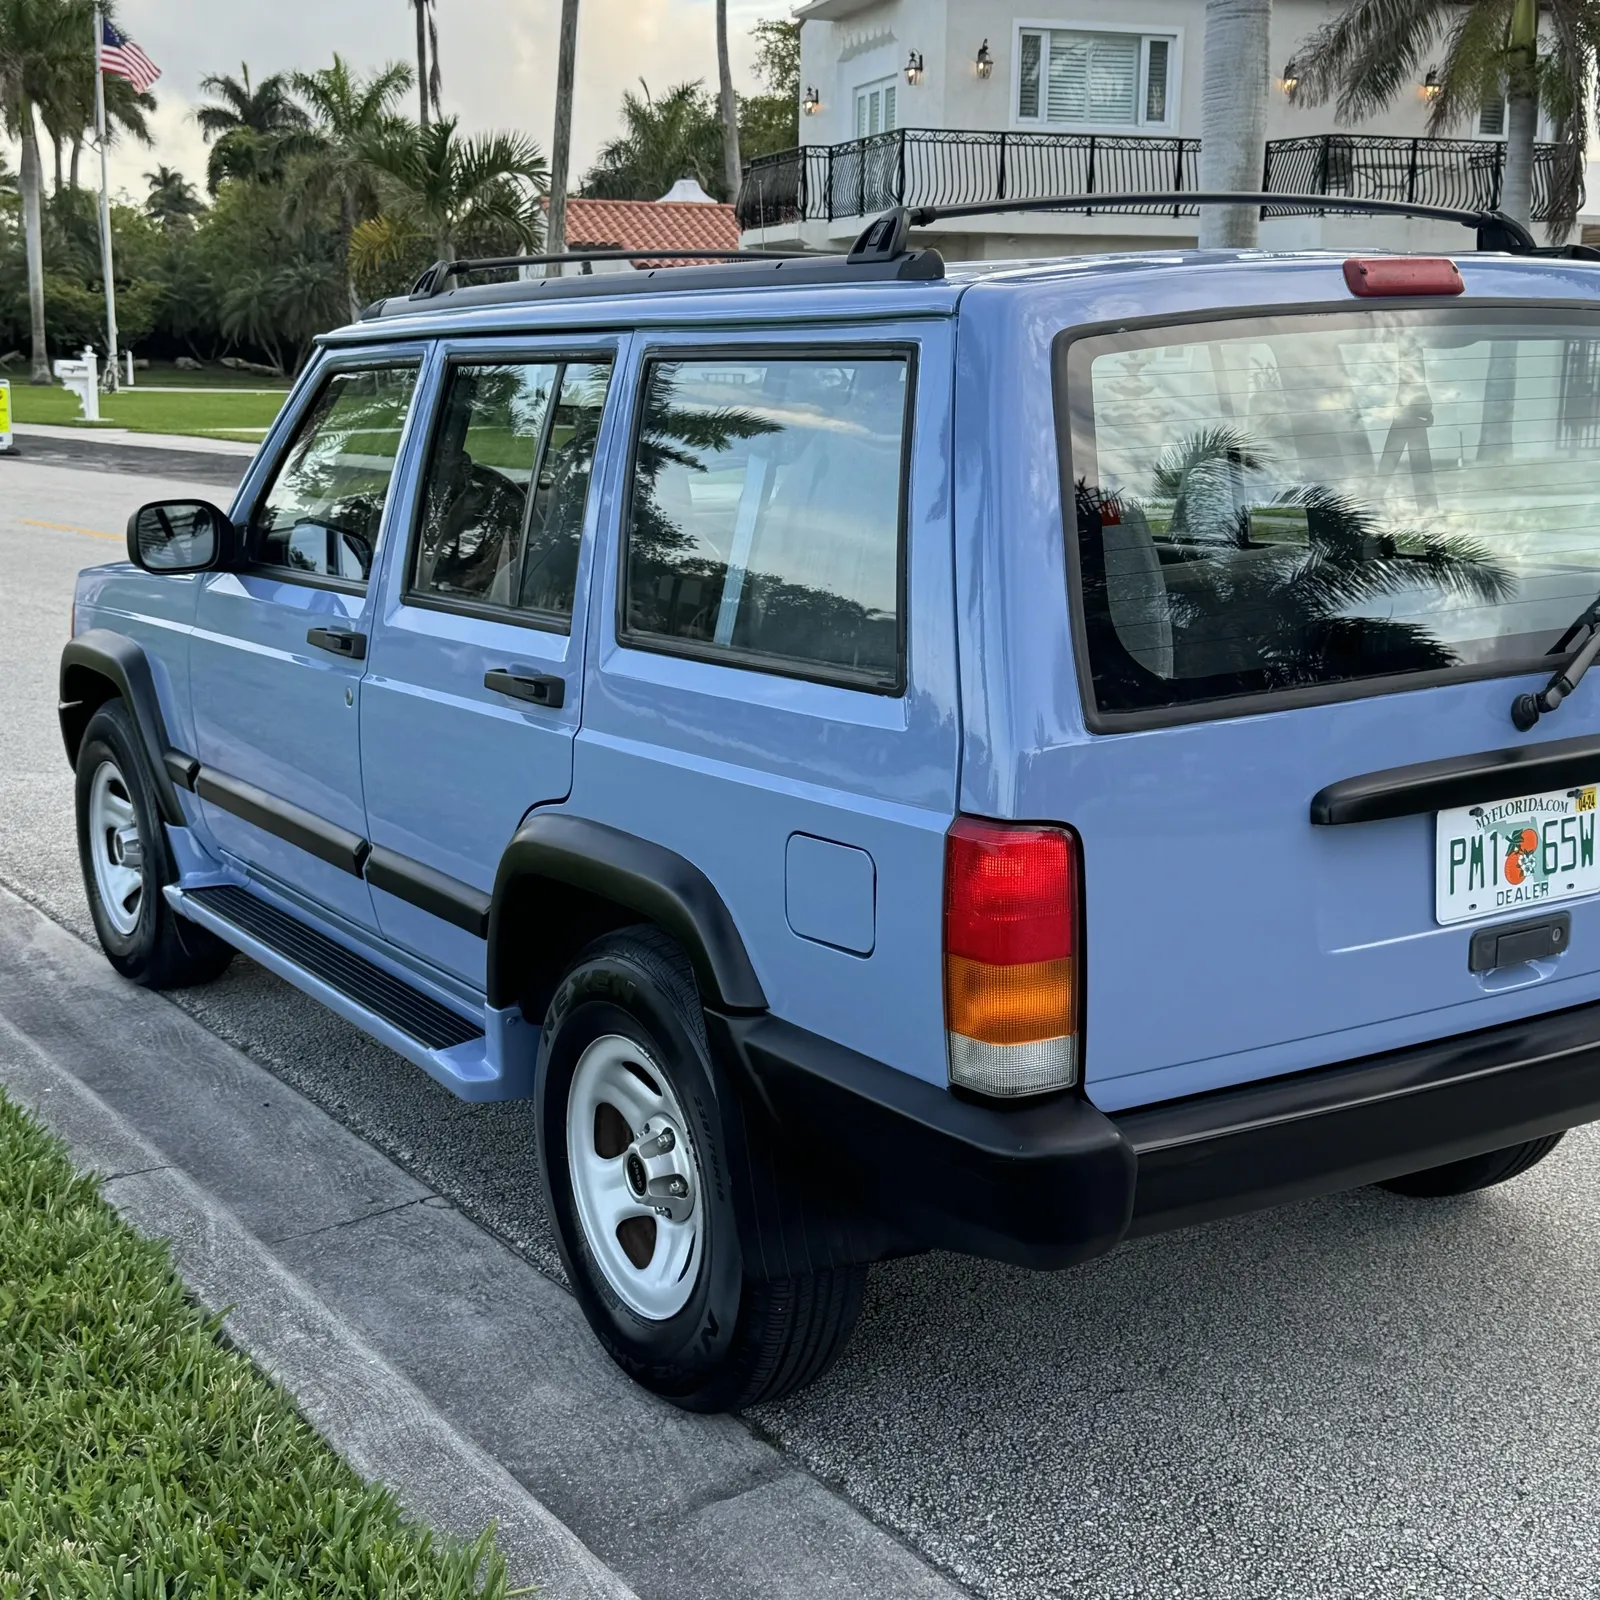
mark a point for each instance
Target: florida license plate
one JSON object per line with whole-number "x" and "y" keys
{"x": 1514, "y": 855}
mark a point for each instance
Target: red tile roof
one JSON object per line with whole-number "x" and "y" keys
{"x": 650, "y": 225}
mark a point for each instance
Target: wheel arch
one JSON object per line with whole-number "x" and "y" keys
{"x": 564, "y": 880}
{"x": 100, "y": 665}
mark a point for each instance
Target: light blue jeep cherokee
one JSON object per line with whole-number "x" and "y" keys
{"x": 1003, "y": 758}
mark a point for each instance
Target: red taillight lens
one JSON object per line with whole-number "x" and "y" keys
{"x": 1011, "y": 943}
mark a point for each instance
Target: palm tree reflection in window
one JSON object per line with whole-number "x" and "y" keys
{"x": 1247, "y": 592}
{"x": 717, "y": 532}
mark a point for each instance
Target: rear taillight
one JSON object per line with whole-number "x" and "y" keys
{"x": 1011, "y": 944}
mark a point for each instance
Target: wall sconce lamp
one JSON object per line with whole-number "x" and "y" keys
{"x": 1291, "y": 76}
{"x": 1431, "y": 85}
{"x": 811, "y": 102}
{"x": 984, "y": 65}
{"x": 914, "y": 68}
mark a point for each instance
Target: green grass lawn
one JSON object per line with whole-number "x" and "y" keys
{"x": 215, "y": 414}
{"x": 141, "y": 1458}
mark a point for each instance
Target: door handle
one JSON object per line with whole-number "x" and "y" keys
{"x": 540, "y": 691}
{"x": 340, "y": 641}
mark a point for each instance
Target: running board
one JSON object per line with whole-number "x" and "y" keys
{"x": 457, "y": 1052}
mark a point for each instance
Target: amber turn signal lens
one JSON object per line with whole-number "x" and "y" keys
{"x": 1009, "y": 1005}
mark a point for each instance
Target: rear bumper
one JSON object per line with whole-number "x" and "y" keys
{"x": 1052, "y": 1183}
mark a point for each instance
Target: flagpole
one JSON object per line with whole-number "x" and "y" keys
{"x": 105, "y": 203}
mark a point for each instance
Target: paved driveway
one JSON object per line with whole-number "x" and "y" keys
{"x": 1359, "y": 1397}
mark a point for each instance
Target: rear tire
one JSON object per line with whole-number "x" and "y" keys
{"x": 1476, "y": 1172}
{"x": 127, "y": 862}
{"x": 635, "y": 1129}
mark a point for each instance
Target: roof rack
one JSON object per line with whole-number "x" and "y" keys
{"x": 432, "y": 281}
{"x": 885, "y": 238}
{"x": 724, "y": 269}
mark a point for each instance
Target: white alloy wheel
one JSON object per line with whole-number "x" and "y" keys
{"x": 635, "y": 1177}
{"x": 115, "y": 849}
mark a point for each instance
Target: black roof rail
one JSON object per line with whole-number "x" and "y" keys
{"x": 1495, "y": 230}
{"x": 432, "y": 281}
{"x": 725, "y": 269}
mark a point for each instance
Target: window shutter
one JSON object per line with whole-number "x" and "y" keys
{"x": 888, "y": 108}
{"x": 861, "y": 116}
{"x": 1093, "y": 78}
{"x": 1028, "y": 77}
{"x": 1155, "y": 91}
{"x": 1492, "y": 116}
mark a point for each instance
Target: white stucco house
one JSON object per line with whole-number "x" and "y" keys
{"x": 943, "y": 101}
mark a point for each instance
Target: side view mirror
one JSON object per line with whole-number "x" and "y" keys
{"x": 181, "y": 536}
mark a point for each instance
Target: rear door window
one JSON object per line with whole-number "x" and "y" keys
{"x": 507, "y": 483}
{"x": 766, "y": 517}
{"x": 1324, "y": 503}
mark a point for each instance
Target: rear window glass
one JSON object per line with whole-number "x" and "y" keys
{"x": 1316, "y": 500}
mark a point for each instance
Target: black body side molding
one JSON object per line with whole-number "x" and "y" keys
{"x": 313, "y": 834}
{"x": 557, "y": 868}
{"x": 445, "y": 897}
{"x": 98, "y": 665}
{"x": 1458, "y": 781}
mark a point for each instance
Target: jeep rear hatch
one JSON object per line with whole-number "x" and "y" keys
{"x": 1311, "y": 548}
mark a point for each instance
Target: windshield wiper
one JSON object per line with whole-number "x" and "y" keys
{"x": 1526, "y": 709}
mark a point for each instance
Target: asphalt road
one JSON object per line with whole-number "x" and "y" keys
{"x": 1357, "y": 1397}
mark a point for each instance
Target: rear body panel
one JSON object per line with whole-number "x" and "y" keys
{"x": 1228, "y": 940}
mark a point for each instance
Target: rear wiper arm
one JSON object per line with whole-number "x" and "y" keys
{"x": 1526, "y": 709}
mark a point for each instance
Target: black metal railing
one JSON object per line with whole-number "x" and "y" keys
{"x": 927, "y": 167}
{"x": 1438, "y": 172}
{"x": 918, "y": 166}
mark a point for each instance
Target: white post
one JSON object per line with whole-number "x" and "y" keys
{"x": 127, "y": 371}
{"x": 112, "y": 361}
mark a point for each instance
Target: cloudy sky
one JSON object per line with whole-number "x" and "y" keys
{"x": 497, "y": 56}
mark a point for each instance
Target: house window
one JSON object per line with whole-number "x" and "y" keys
{"x": 875, "y": 108}
{"x": 1074, "y": 78}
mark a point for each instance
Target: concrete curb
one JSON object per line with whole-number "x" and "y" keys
{"x": 374, "y": 1417}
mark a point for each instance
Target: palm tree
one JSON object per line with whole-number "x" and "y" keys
{"x": 677, "y": 136}
{"x": 172, "y": 200}
{"x": 1233, "y": 116}
{"x": 428, "y": 78}
{"x": 1375, "y": 50}
{"x": 36, "y": 42}
{"x": 727, "y": 105}
{"x": 352, "y": 117}
{"x": 253, "y": 128}
{"x": 561, "y": 145}
{"x": 452, "y": 193}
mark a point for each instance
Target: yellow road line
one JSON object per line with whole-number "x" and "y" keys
{"x": 67, "y": 527}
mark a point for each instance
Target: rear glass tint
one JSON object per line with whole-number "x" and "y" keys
{"x": 1307, "y": 501}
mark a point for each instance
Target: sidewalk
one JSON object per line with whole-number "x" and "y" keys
{"x": 218, "y": 462}
{"x": 425, "y": 1350}
{"x": 138, "y": 441}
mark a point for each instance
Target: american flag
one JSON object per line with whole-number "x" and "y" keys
{"x": 121, "y": 56}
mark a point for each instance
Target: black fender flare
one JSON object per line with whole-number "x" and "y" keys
{"x": 90, "y": 662}
{"x": 556, "y": 862}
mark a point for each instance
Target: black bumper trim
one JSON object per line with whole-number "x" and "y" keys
{"x": 1042, "y": 1185}
{"x": 1340, "y": 1127}
{"x": 1056, "y": 1181}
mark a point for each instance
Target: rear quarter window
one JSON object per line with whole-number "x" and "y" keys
{"x": 766, "y": 513}
{"x": 1328, "y": 504}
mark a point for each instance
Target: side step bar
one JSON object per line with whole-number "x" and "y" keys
{"x": 471, "y": 1060}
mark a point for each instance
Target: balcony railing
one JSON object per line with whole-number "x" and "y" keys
{"x": 925, "y": 167}
{"x": 1436, "y": 172}
{"x": 916, "y": 166}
